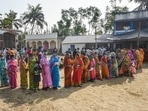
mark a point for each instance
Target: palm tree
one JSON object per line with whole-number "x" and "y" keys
{"x": 10, "y": 21}
{"x": 34, "y": 17}
{"x": 143, "y": 4}
{"x": 0, "y": 20}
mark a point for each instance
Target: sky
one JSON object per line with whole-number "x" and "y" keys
{"x": 52, "y": 8}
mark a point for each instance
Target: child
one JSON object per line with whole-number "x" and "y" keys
{"x": 36, "y": 76}
{"x": 132, "y": 68}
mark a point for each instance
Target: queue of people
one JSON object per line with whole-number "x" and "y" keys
{"x": 79, "y": 67}
{"x": 33, "y": 67}
{"x": 90, "y": 65}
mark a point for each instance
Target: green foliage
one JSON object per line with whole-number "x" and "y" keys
{"x": 10, "y": 21}
{"x": 34, "y": 17}
{"x": 110, "y": 15}
{"x": 143, "y": 4}
{"x": 73, "y": 22}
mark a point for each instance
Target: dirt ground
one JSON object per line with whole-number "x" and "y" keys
{"x": 119, "y": 94}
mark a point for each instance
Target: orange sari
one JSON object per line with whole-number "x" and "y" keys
{"x": 104, "y": 65}
{"x": 68, "y": 62}
{"x": 141, "y": 58}
{"x": 85, "y": 69}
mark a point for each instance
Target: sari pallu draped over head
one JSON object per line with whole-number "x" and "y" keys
{"x": 12, "y": 72}
{"x": 68, "y": 64}
{"x": 54, "y": 61}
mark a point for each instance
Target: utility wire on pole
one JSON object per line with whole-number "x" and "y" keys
{"x": 96, "y": 39}
{"x": 138, "y": 38}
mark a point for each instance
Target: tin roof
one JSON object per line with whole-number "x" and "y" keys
{"x": 128, "y": 36}
{"x": 42, "y": 36}
{"x": 79, "y": 39}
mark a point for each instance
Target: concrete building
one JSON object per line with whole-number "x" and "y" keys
{"x": 130, "y": 30}
{"x": 47, "y": 41}
{"x": 10, "y": 38}
{"x": 73, "y": 42}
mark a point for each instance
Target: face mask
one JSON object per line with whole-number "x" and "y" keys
{"x": 36, "y": 65}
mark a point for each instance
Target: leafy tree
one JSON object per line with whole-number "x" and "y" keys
{"x": 0, "y": 20}
{"x": 110, "y": 16}
{"x": 73, "y": 22}
{"x": 54, "y": 29}
{"x": 34, "y": 17}
{"x": 79, "y": 28}
{"x": 143, "y": 4}
{"x": 93, "y": 16}
{"x": 70, "y": 23}
{"x": 11, "y": 21}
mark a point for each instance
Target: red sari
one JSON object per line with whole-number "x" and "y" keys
{"x": 77, "y": 70}
{"x": 92, "y": 69}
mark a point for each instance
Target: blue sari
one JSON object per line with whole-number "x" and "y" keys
{"x": 54, "y": 60}
{"x": 3, "y": 72}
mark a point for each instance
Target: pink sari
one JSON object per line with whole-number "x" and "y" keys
{"x": 12, "y": 72}
{"x": 46, "y": 75}
{"x": 92, "y": 69}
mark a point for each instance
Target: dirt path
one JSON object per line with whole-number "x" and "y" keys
{"x": 120, "y": 94}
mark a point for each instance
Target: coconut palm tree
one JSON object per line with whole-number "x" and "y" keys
{"x": 34, "y": 17}
{"x": 11, "y": 21}
{"x": 143, "y": 4}
{"x": 0, "y": 20}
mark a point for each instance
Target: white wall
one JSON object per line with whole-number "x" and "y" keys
{"x": 66, "y": 46}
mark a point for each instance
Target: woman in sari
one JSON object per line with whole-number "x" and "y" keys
{"x": 92, "y": 68}
{"x": 141, "y": 58}
{"x": 31, "y": 64}
{"x": 68, "y": 63}
{"x": 46, "y": 75}
{"x": 85, "y": 72}
{"x": 77, "y": 70}
{"x": 3, "y": 72}
{"x": 104, "y": 65}
{"x": 12, "y": 71}
{"x": 54, "y": 67}
{"x": 125, "y": 65}
{"x": 115, "y": 72}
{"x": 98, "y": 67}
{"x": 23, "y": 73}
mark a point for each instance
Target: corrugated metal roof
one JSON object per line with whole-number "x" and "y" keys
{"x": 129, "y": 36}
{"x": 79, "y": 39}
{"x": 41, "y": 36}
